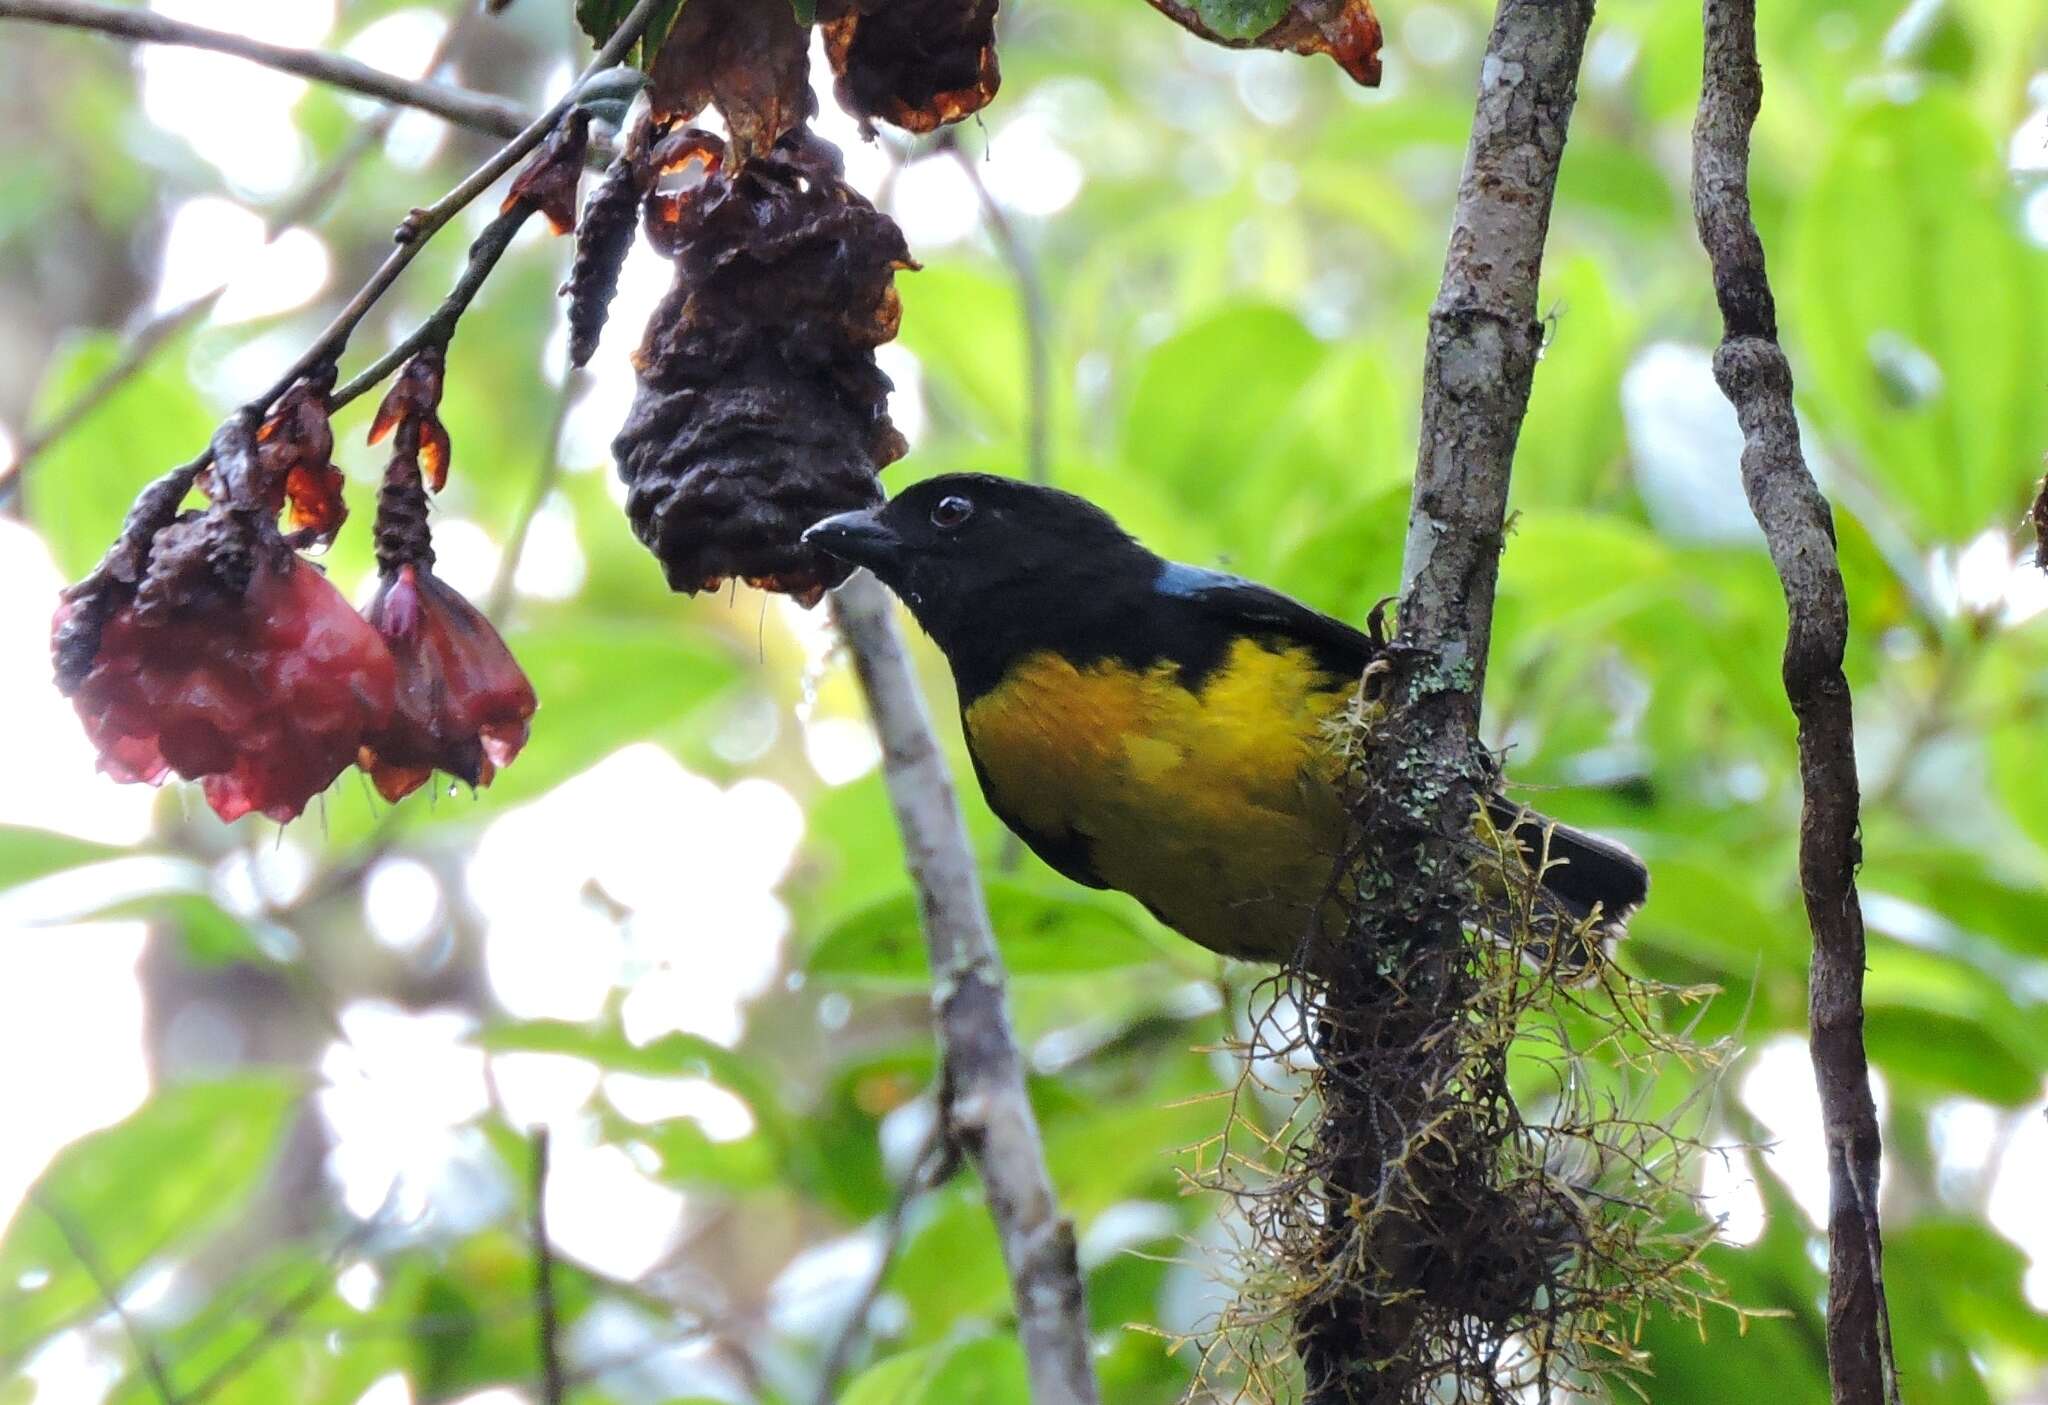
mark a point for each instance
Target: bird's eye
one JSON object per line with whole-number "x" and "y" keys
{"x": 951, "y": 512}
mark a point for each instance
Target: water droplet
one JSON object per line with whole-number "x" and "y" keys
{"x": 33, "y": 1279}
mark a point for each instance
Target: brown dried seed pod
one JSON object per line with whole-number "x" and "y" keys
{"x": 603, "y": 240}
{"x": 760, "y": 407}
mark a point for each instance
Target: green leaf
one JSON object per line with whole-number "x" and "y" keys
{"x": 1917, "y": 304}
{"x": 967, "y": 330}
{"x": 989, "y": 1371}
{"x": 79, "y": 491}
{"x": 891, "y": 1382}
{"x": 209, "y": 933}
{"x": 806, "y": 11}
{"x": 36, "y": 853}
{"x": 600, "y": 19}
{"x": 603, "y": 684}
{"x": 1208, "y": 396}
{"x": 1041, "y": 933}
{"x": 1240, "y": 19}
{"x": 141, "y": 1189}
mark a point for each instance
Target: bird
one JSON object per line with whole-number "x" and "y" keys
{"x": 1163, "y": 729}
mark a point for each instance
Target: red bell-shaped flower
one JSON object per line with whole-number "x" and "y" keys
{"x": 261, "y": 696}
{"x": 463, "y": 701}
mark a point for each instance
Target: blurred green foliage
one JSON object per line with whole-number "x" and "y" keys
{"x": 1236, "y": 301}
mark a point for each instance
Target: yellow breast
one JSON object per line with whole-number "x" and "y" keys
{"x": 1215, "y": 808}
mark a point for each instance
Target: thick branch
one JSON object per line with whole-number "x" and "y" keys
{"x": 1389, "y": 988}
{"x": 984, "y": 1106}
{"x": 1484, "y": 336}
{"x": 484, "y": 112}
{"x": 1799, "y": 529}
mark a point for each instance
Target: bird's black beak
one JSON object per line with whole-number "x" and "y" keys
{"x": 861, "y": 538}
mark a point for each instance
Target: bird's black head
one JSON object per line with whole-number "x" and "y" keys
{"x": 974, "y": 555}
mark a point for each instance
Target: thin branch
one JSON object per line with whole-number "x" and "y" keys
{"x": 421, "y": 225}
{"x": 167, "y": 325}
{"x": 931, "y": 1165}
{"x": 483, "y": 112}
{"x": 439, "y": 326}
{"x": 1037, "y": 316}
{"x": 283, "y": 1318}
{"x": 983, "y": 1104}
{"x": 547, "y": 1321}
{"x": 1426, "y": 768}
{"x": 1798, "y": 527}
{"x": 83, "y": 1250}
{"x": 500, "y": 594}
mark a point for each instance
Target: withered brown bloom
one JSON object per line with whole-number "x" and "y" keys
{"x": 463, "y": 702}
{"x": 760, "y": 408}
{"x": 295, "y": 454}
{"x": 1347, "y": 30}
{"x": 550, "y": 179}
{"x": 916, "y": 64}
{"x": 749, "y": 58}
{"x": 415, "y": 399}
{"x": 230, "y": 661}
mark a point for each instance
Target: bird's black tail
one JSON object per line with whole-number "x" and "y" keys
{"x": 1580, "y": 872}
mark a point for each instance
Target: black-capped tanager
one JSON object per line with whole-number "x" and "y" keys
{"x": 1154, "y": 727}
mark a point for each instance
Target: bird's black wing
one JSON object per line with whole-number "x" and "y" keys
{"x": 1255, "y": 608}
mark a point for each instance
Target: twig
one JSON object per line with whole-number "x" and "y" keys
{"x": 160, "y": 329}
{"x": 547, "y": 1324}
{"x": 927, "y": 1168}
{"x": 1037, "y": 316}
{"x": 439, "y": 327}
{"x": 282, "y": 1318}
{"x": 983, "y": 1104}
{"x": 1798, "y": 527}
{"x": 77, "y": 640}
{"x": 421, "y": 225}
{"x": 483, "y": 112}
{"x": 550, "y": 472}
{"x": 82, "y": 1249}
{"x": 1426, "y": 768}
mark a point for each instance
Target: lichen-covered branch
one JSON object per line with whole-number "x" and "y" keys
{"x": 983, "y": 1103}
{"x": 483, "y": 112}
{"x": 1391, "y": 991}
{"x": 1799, "y": 529}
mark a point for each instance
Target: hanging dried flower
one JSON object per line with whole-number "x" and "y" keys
{"x": 550, "y": 179}
{"x": 415, "y": 399}
{"x": 916, "y": 64}
{"x": 295, "y": 456}
{"x": 463, "y": 701}
{"x": 748, "y": 58}
{"x": 603, "y": 240}
{"x": 760, "y": 406}
{"x": 1347, "y": 30}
